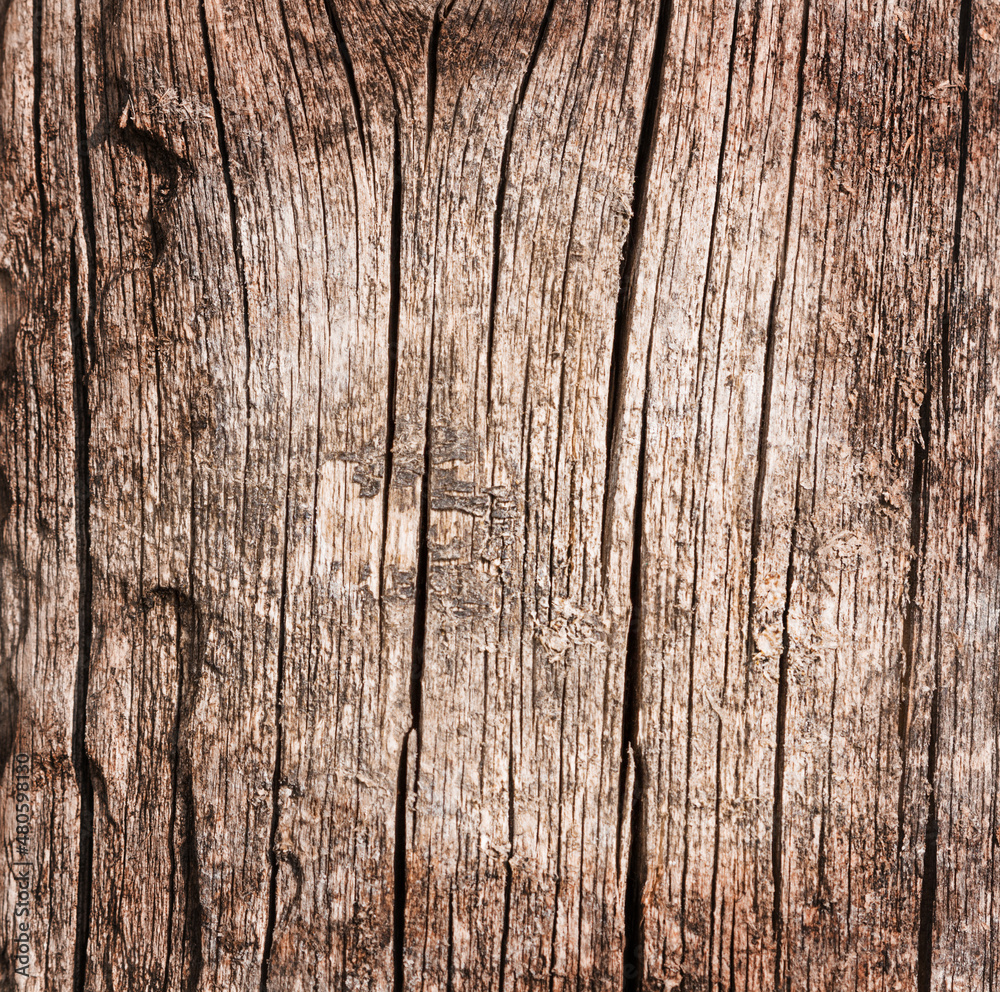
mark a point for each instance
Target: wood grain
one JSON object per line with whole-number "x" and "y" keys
{"x": 498, "y": 494}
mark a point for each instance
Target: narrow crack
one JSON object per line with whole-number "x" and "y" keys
{"x": 508, "y": 883}
{"x": 450, "y": 960}
{"x": 175, "y": 749}
{"x": 190, "y": 867}
{"x": 635, "y": 879}
{"x": 392, "y": 344}
{"x": 183, "y": 856}
{"x": 928, "y": 887}
{"x": 81, "y": 763}
{"x": 689, "y": 736}
{"x": 82, "y": 336}
{"x": 557, "y": 889}
{"x": 954, "y": 287}
{"x": 715, "y": 911}
{"x": 421, "y": 590}
{"x": 697, "y": 521}
{"x": 543, "y": 30}
{"x": 432, "y": 74}
{"x": 191, "y": 872}
{"x": 527, "y": 417}
{"x": 36, "y": 125}
{"x": 763, "y": 430}
{"x": 399, "y": 851}
{"x": 237, "y": 241}
{"x": 633, "y": 942}
{"x": 918, "y": 526}
{"x": 345, "y": 58}
{"x": 822, "y": 856}
{"x": 629, "y": 270}
{"x": 720, "y": 171}
{"x": 399, "y": 873}
{"x": 781, "y": 722}
{"x": 272, "y": 852}
{"x": 965, "y": 69}
{"x": 421, "y": 598}
{"x": 561, "y": 402}
{"x": 763, "y": 433}
{"x": 917, "y": 537}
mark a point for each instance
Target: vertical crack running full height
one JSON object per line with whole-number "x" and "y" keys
{"x": 82, "y": 334}
{"x": 633, "y": 943}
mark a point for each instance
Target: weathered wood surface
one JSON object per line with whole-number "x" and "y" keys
{"x": 499, "y": 495}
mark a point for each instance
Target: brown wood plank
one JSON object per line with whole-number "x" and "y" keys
{"x": 705, "y": 705}
{"x": 181, "y": 810}
{"x": 518, "y": 620}
{"x": 249, "y": 370}
{"x": 958, "y": 674}
{"x": 781, "y": 427}
{"x": 43, "y": 598}
{"x": 890, "y": 316}
{"x": 497, "y": 494}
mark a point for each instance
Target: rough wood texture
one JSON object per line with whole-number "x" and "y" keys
{"x": 499, "y": 494}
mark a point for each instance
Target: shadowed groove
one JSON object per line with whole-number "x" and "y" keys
{"x": 929, "y": 882}
{"x": 432, "y": 74}
{"x": 508, "y": 882}
{"x": 952, "y": 284}
{"x": 543, "y": 30}
{"x": 392, "y": 343}
{"x": 629, "y": 270}
{"x": 633, "y": 944}
{"x": 697, "y": 521}
{"x": 421, "y": 599}
{"x": 82, "y": 337}
{"x": 235, "y": 236}
{"x": 917, "y": 539}
{"x": 763, "y": 430}
{"x": 345, "y": 58}
{"x": 272, "y": 851}
{"x": 36, "y": 125}
{"x": 175, "y": 749}
{"x": 399, "y": 872}
{"x": 781, "y": 721}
